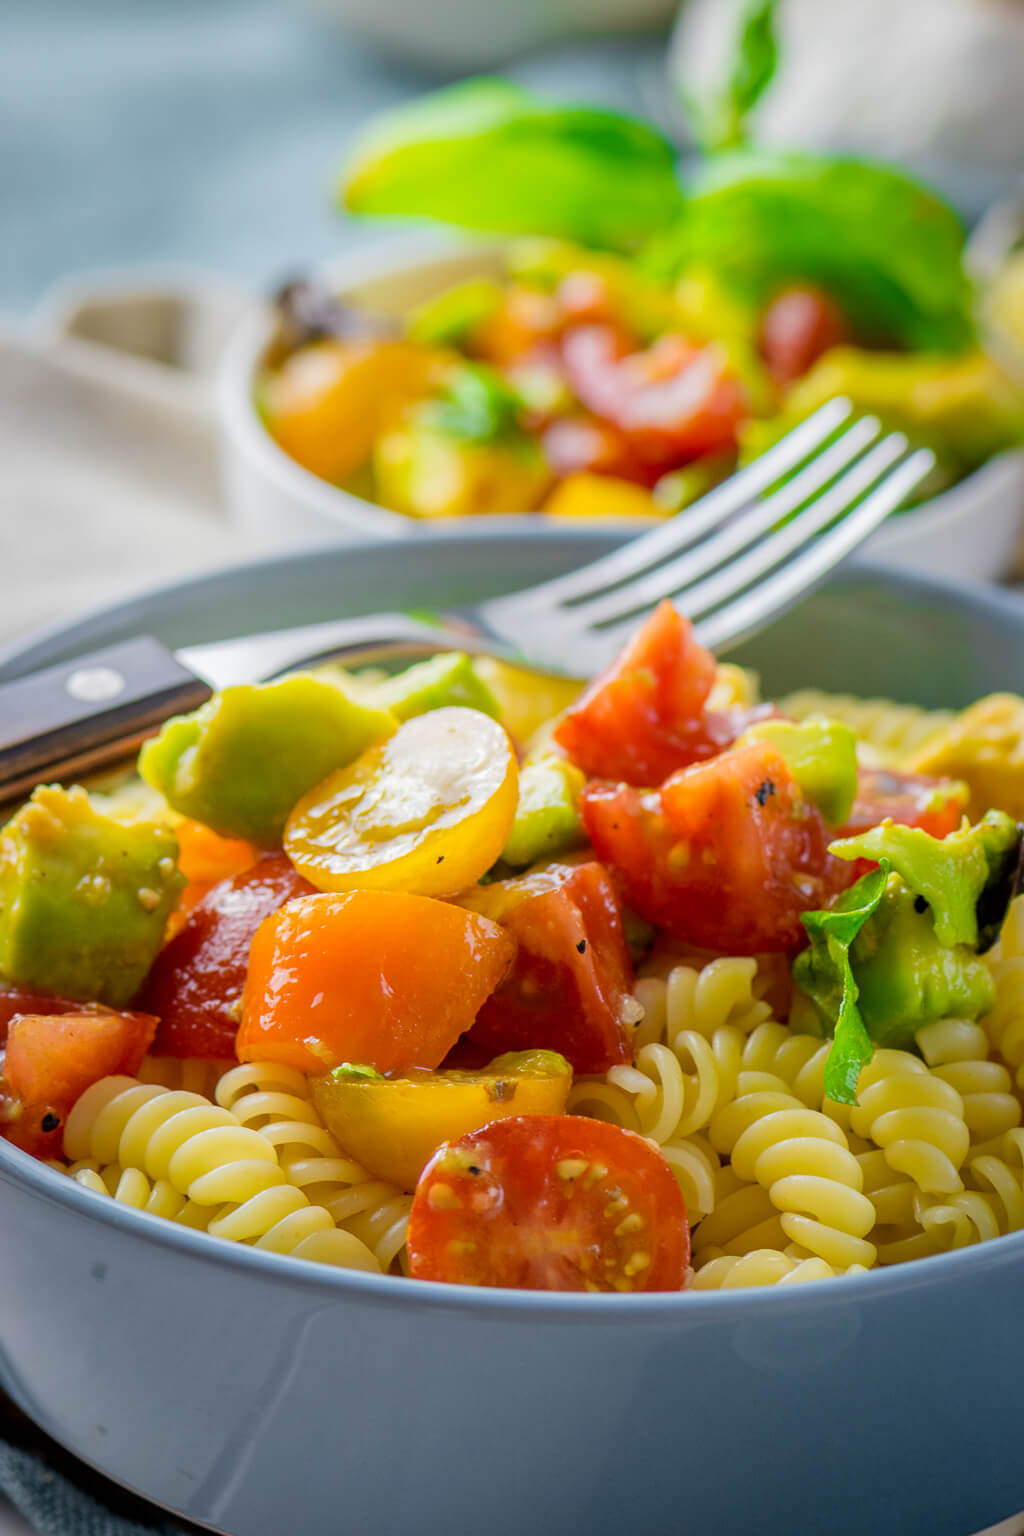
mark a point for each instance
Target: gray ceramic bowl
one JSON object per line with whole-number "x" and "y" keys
{"x": 267, "y": 1397}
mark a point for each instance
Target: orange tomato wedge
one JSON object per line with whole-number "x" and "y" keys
{"x": 379, "y": 977}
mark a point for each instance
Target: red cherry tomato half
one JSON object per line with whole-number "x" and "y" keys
{"x": 673, "y": 402}
{"x": 13, "y": 1000}
{"x": 726, "y": 855}
{"x": 799, "y": 325}
{"x": 550, "y": 1203}
{"x": 572, "y": 974}
{"x": 912, "y": 799}
{"x": 644, "y": 717}
{"x": 195, "y": 985}
{"x": 52, "y": 1058}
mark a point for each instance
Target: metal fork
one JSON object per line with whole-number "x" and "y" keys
{"x": 731, "y": 562}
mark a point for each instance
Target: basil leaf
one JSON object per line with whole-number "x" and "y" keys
{"x": 477, "y": 406}
{"x": 888, "y": 249}
{"x": 720, "y": 123}
{"x": 486, "y": 154}
{"x": 825, "y": 974}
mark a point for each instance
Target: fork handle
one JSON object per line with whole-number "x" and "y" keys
{"x": 89, "y": 713}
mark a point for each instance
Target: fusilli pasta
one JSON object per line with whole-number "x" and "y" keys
{"x": 274, "y": 1100}
{"x": 763, "y": 1266}
{"x": 207, "y": 1155}
{"x": 803, "y": 1160}
{"x": 914, "y": 1117}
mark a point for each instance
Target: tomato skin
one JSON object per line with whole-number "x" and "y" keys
{"x": 13, "y": 1000}
{"x": 523, "y": 323}
{"x": 644, "y": 717}
{"x": 726, "y": 855}
{"x": 381, "y": 978}
{"x": 674, "y": 402}
{"x": 912, "y": 799}
{"x": 505, "y": 1206}
{"x": 52, "y": 1058}
{"x": 571, "y": 974}
{"x": 205, "y": 858}
{"x": 195, "y": 984}
{"x": 799, "y": 325}
{"x": 573, "y": 444}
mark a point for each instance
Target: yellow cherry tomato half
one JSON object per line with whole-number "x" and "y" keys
{"x": 428, "y": 811}
{"x": 393, "y": 1126}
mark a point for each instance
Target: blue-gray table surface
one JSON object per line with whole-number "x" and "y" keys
{"x": 207, "y": 132}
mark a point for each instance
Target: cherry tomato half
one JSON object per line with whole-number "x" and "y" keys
{"x": 726, "y": 855}
{"x": 550, "y": 1203}
{"x": 427, "y": 811}
{"x": 644, "y": 717}
{"x": 195, "y": 984}
{"x": 799, "y": 325}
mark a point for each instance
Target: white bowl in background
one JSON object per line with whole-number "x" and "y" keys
{"x": 972, "y": 531}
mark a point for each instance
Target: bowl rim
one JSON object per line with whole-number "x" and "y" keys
{"x": 20, "y": 1169}
{"x": 393, "y": 256}
{"x": 495, "y": 1303}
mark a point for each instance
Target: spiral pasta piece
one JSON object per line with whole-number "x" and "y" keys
{"x": 130, "y": 1186}
{"x": 689, "y": 1049}
{"x": 763, "y": 1266}
{"x": 208, "y": 1156}
{"x": 803, "y": 1160}
{"x": 743, "y": 1221}
{"x": 195, "y": 1074}
{"x": 1000, "y": 1176}
{"x": 915, "y": 1118}
{"x": 798, "y": 1061}
{"x": 1004, "y": 1023}
{"x": 275, "y": 1100}
{"x": 957, "y": 1051}
{"x": 897, "y": 1235}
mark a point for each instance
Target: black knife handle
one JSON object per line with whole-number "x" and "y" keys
{"x": 88, "y": 713}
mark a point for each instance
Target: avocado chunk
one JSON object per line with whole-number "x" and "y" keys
{"x": 240, "y": 762}
{"x": 450, "y": 678}
{"x": 951, "y": 875}
{"x": 822, "y": 756}
{"x": 907, "y": 977}
{"x": 966, "y": 407}
{"x": 84, "y": 900}
{"x": 547, "y": 820}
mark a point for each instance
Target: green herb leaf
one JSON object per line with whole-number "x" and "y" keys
{"x": 486, "y": 154}
{"x": 720, "y": 123}
{"x": 888, "y": 249}
{"x": 825, "y": 974}
{"x": 356, "y": 1072}
{"x": 477, "y": 406}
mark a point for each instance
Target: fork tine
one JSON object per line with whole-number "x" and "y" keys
{"x": 679, "y": 532}
{"x": 749, "y": 612}
{"x": 759, "y": 559}
{"x": 737, "y": 535}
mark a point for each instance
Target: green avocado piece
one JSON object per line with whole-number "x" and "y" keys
{"x": 906, "y": 977}
{"x": 547, "y": 820}
{"x": 950, "y": 874}
{"x": 450, "y": 678}
{"x": 965, "y": 408}
{"x": 84, "y": 900}
{"x": 822, "y": 755}
{"x": 449, "y": 317}
{"x": 242, "y": 760}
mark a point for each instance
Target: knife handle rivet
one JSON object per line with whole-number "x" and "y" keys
{"x": 94, "y": 684}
